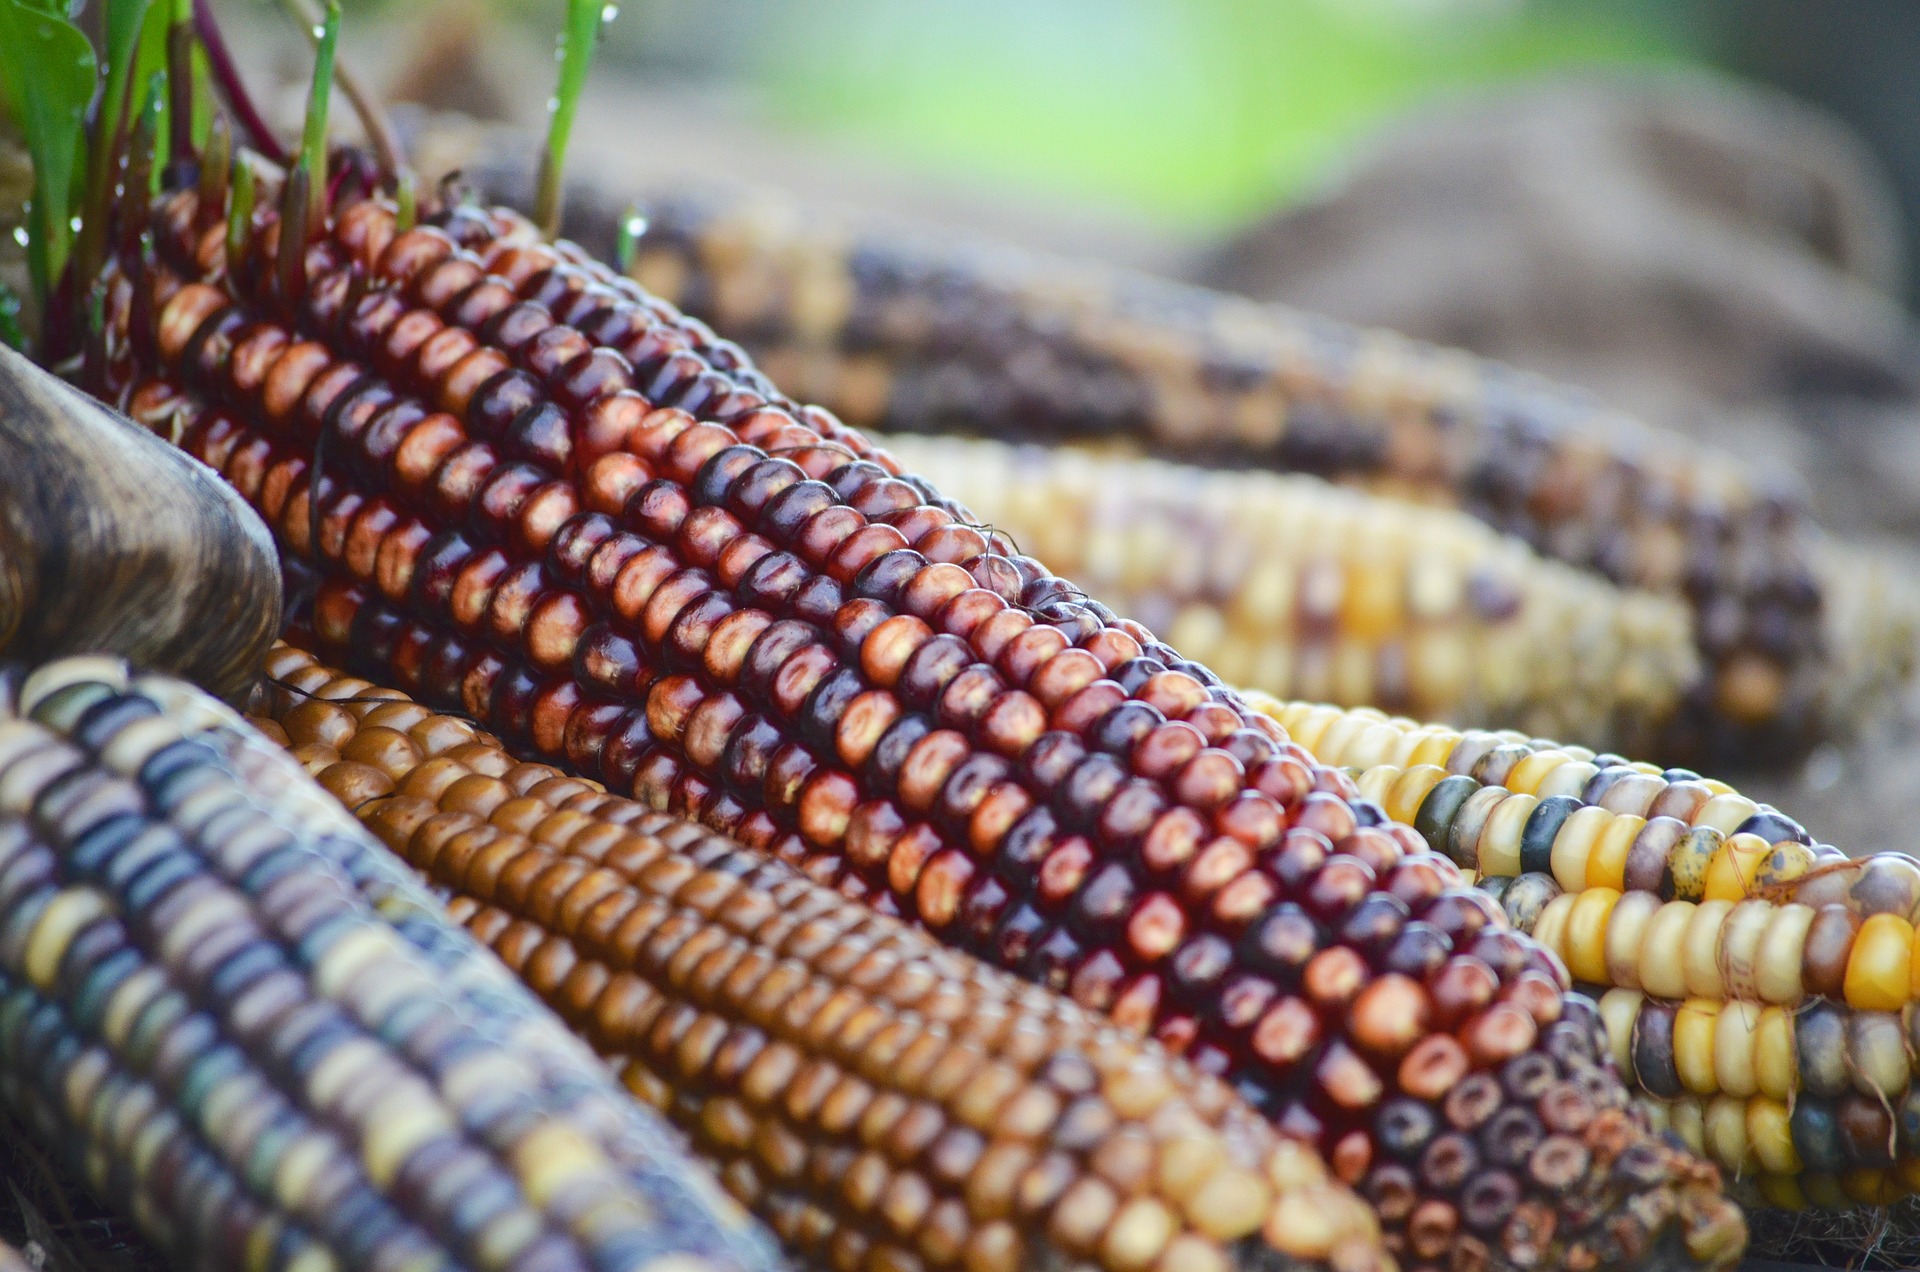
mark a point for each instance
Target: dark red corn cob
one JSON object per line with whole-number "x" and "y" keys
{"x": 548, "y": 500}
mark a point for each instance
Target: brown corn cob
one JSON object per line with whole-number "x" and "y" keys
{"x": 1306, "y": 590}
{"x": 242, "y": 1021}
{"x": 871, "y": 1093}
{"x": 914, "y": 334}
{"x": 549, "y": 524}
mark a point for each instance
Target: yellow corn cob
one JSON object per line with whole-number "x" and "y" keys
{"x": 1310, "y": 590}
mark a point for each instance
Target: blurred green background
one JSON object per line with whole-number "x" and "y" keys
{"x": 1198, "y": 111}
{"x": 1203, "y": 113}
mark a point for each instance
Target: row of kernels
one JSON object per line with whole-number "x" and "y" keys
{"x": 1366, "y": 738}
{"x": 1752, "y": 950}
{"x": 1809, "y": 1153}
{"x": 885, "y": 1192}
{"x": 1822, "y": 1051}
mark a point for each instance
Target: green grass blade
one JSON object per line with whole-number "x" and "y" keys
{"x": 585, "y": 18}
{"x": 47, "y": 78}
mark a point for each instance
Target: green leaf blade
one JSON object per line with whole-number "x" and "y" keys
{"x": 47, "y": 79}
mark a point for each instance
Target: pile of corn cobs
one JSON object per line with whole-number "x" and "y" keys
{"x": 957, "y": 921}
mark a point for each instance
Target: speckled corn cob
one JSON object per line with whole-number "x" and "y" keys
{"x": 530, "y": 506}
{"x": 874, "y": 1095}
{"x": 1741, "y": 967}
{"x": 1615, "y": 864}
{"x": 240, "y": 1019}
{"x": 1306, "y": 590}
{"x": 915, "y": 334}
{"x": 1578, "y": 815}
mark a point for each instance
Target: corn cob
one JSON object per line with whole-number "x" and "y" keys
{"x": 1313, "y": 591}
{"x": 1667, "y": 855}
{"x": 914, "y": 334}
{"x": 694, "y": 964}
{"x": 242, "y": 1021}
{"x": 1447, "y": 784}
{"x": 1763, "y": 989}
{"x": 540, "y": 521}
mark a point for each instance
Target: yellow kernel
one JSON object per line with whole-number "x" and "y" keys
{"x": 1694, "y": 1026}
{"x": 1730, "y": 872}
{"x": 1663, "y": 970}
{"x": 1740, "y": 948}
{"x": 551, "y": 1156}
{"x": 1770, "y": 1136}
{"x": 1700, "y": 952}
{"x": 1776, "y": 1066}
{"x": 1405, "y": 795}
{"x": 1725, "y": 1124}
{"x": 1567, "y": 779}
{"x": 1880, "y": 968}
{"x": 1725, "y": 813}
{"x": 1525, "y": 777}
{"x": 1607, "y": 862}
{"x": 1500, "y": 839}
{"x": 1586, "y": 936}
{"x": 1626, "y": 937}
{"x": 1733, "y": 1048}
{"x": 1572, "y": 858}
{"x": 70, "y": 910}
{"x": 1619, "y": 1008}
{"x": 1777, "y": 965}
{"x": 1550, "y": 929}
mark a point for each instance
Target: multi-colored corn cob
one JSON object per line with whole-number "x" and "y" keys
{"x": 1590, "y": 820}
{"x": 914, "y": 333}
{"x": 1312, "y": 591}
{"x": 241, "y": 1020}
{"x": 874, "y": 1095}
{"x": 547, "y": 497}
{"x": 1762, "y": 989}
